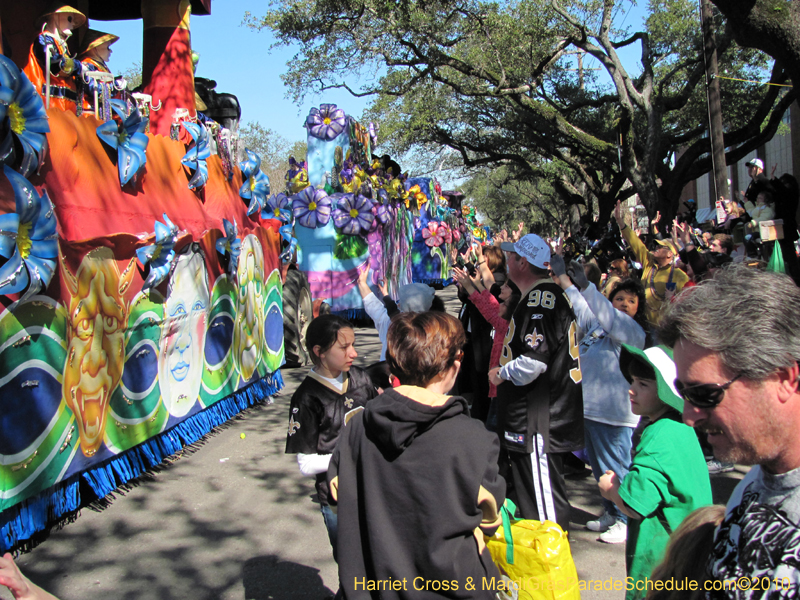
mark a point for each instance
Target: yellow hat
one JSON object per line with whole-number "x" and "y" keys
{"x": 668, "y": 244}
{"x": 62, "y": 8}
{"x": 92, "y": 39}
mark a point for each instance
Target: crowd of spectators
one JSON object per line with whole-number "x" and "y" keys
{"x": 668, "y": 360}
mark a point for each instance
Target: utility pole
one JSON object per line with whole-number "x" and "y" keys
{"x": 719, "y": 170}
{"x": 580, "y": 68}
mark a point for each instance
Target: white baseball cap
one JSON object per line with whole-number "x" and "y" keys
{"x": 756, "y": 162}
{"x": 533, "y": 248}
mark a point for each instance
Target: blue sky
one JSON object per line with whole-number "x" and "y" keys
{"x": 239, "y": 60}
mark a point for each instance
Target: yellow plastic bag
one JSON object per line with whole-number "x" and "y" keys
{"x": 534, "y": 559}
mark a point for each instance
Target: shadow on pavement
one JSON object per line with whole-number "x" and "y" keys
{"x": 269, "y": 577}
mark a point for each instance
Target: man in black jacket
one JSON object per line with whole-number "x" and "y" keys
{"x": 540, "y": 406}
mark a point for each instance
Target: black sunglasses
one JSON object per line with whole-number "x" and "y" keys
{"x": 704, "y": 395}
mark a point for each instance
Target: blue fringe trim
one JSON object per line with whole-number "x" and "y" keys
{"x": 23, "y": 523}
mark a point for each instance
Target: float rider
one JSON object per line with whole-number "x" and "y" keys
{"x": 94, "y": 55}
{"x": 65, "y": 72}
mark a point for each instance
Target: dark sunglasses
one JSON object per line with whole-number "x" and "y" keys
{"x": 704, "y": 395}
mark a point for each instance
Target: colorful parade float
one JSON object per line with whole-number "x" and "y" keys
{"x": 140, "y": 304}
{"x": 151, "y": 287}
{"x": 350, "y": 210}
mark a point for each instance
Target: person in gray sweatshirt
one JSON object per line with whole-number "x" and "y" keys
{"x": 604, "y": 325}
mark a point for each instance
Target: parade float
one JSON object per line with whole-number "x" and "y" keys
{"x": 350, "y": 210}
{"x": 140, "y": 303}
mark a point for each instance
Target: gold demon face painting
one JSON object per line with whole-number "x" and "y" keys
{"x": 248, "y": 334}
{"x": 96, "y": 324}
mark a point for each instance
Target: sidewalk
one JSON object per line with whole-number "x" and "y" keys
{"x": 234, "y": 520}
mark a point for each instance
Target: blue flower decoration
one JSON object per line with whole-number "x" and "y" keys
{"x": 27, "y": 119}
{"x": 196, "y": 157}
{"x": 256, "y": 183}
{"x": 230, "y": 244}
{"x": 286, "y": 234}
{"x": 160, "y": 255}
{"x": 28, "y": 239}
{"x": 278, "y": 207}
{"x": 127, "y": 138}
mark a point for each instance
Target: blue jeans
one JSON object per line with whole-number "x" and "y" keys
{"x": 332, "y": 525}
{"x": 609, "y": 449}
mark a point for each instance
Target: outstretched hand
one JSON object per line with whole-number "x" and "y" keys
{"x": 383, "y": 287}
{"x": 618, "y": 214}
{"x": 557, "y": 265}
{"x": 462, "y": 277}
{"x": 361, "y": 282}
{"x": 577, "y": 274}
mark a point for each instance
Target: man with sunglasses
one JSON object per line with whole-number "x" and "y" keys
{"x": 736, "y": 341}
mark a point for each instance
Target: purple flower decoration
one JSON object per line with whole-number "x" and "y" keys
{"x": 278, "y": 208}
{"x": 354, "y": 214}
{"x": 312, "y": 208}
{"x": 381, "y": 208}
{"x": 326, "y": 122}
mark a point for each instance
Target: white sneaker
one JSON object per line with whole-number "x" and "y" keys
{"x": 616, "y": 534}
{"x": 601, "y": 524}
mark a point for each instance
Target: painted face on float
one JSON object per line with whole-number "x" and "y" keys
{"x": 96, "y": 323}
{"x": 248, "y": 334}
{"x": 183, "y": 335}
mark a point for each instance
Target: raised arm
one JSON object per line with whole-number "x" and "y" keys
{"x": 639, "y": 250}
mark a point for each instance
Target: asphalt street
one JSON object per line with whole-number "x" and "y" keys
{"x": 233, "y": 519}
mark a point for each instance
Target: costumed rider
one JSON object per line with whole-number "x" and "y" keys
{"x": 95, "y": 52}
{"x": 65, "y": 72}
{"x": 540, "y": 405}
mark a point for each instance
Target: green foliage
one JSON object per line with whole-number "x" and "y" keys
{"x": 504, "y": 200}
{"x": 349, "y": 246}
{"x": 273, "y": 149}
{"x": 133, "y": 76}
{"x": 493, "y": 81}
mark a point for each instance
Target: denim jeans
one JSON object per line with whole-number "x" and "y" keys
{"x": 609, "y": 449}
{"x": 332, "y": 525}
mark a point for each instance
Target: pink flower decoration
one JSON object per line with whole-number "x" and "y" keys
{"x": 431, "y": 234}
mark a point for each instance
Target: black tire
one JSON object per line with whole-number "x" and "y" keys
{"x": 297, "y": 314}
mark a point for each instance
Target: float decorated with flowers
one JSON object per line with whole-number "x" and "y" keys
{"x": 354, "y": 210}
{"x": 140, "y": 292}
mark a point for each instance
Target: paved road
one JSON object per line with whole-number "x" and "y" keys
{"x": 234, "y": 520}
